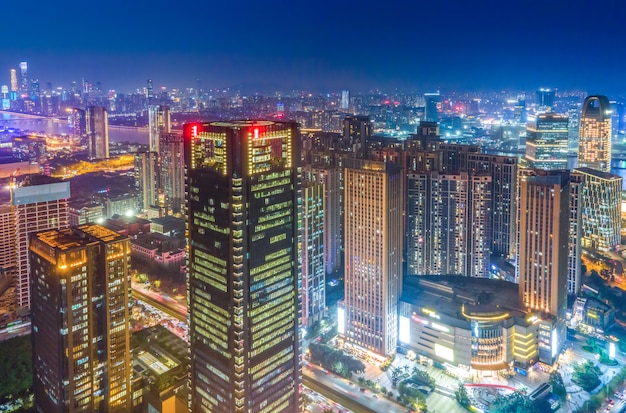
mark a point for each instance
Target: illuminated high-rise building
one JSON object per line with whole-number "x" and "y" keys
{"x": 158, "y": 124}
{"x": 172, "y": 171}
{"x": 545, "y": 98}
{"x": 77, "y": 123}
{"x": 243, "y": 225}
{"x": 14, "y": 85}
{"x": 313, "y": 271}
{"x": 24, "y": 78}
{"x": 329, "y": 177}
{"x": 97, "y": 126}
{"x": 345, "y": 100}
{"x": 601, "y": 195}
{"x": 431, "y": 100}
{"x": 146, "y": 172}
{"x": 373, "y": 255}
{"x": 358, "y": 131}
{"x": 546, "y": 142}
{"x": 542, "y": 254}
{"x": 594, "y": 141}
{"x": 81, "y": 320}
{"x": 575, "y": 232}
{"x": 40, "y": 206}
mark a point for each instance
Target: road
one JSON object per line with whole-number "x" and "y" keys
{"x": 347, "y": 393}
{"x": 173, "y": 309}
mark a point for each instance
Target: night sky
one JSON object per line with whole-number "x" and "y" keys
{"x": 320, "y": 45}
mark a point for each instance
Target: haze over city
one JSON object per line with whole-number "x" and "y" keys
{"x": 453, "y": 45}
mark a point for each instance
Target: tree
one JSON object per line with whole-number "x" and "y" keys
{"x": 515, "y": 402}
{"x": 586, "y": 375}
{"x": 16, "y": 367}
{"x": 462, "y": 397}
{"x": 396, "y": 376}
{"x": 558, "y": 387}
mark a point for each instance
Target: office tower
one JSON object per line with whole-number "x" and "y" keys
{"x": 601, "y": 195}
{"x": 545, "y": 99}
{"x": 357, "y": 130}
{"x": 97, "y": 125}
{"x": 329, "y": 177}
{"x": 546, "y": 142}
{"x": 313, "y": 270}
{"x": 575, "y": 232}
{"x": 172, "y": 158}
{"x": 40, "y": 206}
{"x": 243, "y": 223}
{"x": 345, "y": 100}
{"x": 24, "y": 79}
{"x": 149, "y": 90}
{"x": 146, "y": 172}
{"x": 594, "y": 141}
{"x": 520, "y": 109}
{"x": 373, "y": 254}
{"x": 544, "y": 224}
{"x": 431, "y": 101}
{"x": 77, "y": 123}
{"x": 617, "y": 119}
{"x": 158, "y": 124}
{"x": 81, "y": 320}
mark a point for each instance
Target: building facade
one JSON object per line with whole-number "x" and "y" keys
{"x": 158, "y": 124}
{"x": 40, "y": 206}
{"x": 172, "y": 162}
{"x": 146, "y": 171}
{"x": 546, "y": 142}
{"x": 594, "y": 141}
{"x": 313, "y": 269}
{"x": 81, "y": 320}
{"x": 97, "y": 127}
{"x": 244, "y": 275}
{"x": 601, "y": 195}
{"x": 373, "y": 255}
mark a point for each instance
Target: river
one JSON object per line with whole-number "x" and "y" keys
{"x": 51, "y": 126}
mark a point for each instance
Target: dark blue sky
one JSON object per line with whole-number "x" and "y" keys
{"x": 453, "y": 44}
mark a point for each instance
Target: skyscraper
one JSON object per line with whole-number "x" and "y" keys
{"x": 601, "y": 195}
{"x": 244, "y": 275}
{"x": 97, "y": 123}
{"x": 542, "y": 254}
{"x": 40, "y": 206}
{"x": 545, "y": 98}
{"x": 345, "y": 100}
{"x": 77, "y": 123}
{"x": 546, "y": 142}
{"x": 14, "y": 86}
{"x": 357, "y": 130}
{"x": 313, "y": 269}
{"x": 575, "y": 232}
{"x": 172, "y": 160}
{"x": 146, "y": 171}
{"x": 430, "y": 107}
{"x": 373, "y": 255}
{"x": 158, "y": 124}
{"x": 594, "y": 141}
{"x": 24, "y": 79}
{"x": 543, "y": 240}
{"x": 81, "y": 320}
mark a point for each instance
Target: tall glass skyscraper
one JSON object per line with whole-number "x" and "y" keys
{"x": 546, "y": 142}
{"x": 594, "y": 142}
{"x": 243, "y": 217}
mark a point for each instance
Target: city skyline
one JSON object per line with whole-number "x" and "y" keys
{"x": 432, "y": 45}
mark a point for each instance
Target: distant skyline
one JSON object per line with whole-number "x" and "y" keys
{"x": 448, "y": 44}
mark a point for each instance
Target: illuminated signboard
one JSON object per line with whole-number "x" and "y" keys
{"x": 405, "y": 330}
{"x": 439, "y": 327}
{"x": 612, "y": 351}
{"x": 555, "y": 344}
{"x": 341, "y": 320}
{"x": 444, "y": 352}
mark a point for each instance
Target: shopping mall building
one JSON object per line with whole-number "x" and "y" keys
{"x": 474, "y": 326}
